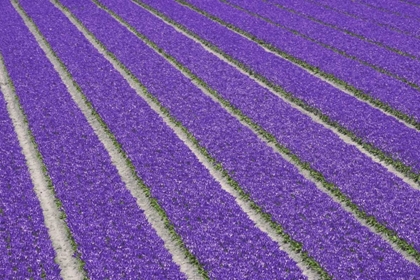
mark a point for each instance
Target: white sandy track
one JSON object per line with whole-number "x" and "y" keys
{"x": 57, "y": 227}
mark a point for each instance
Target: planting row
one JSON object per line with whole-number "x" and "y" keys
{"x": 360, "y": 11}
{"x": 360, "y": 50}
{"x": 211, "y": 225}
{"x": 378, "y": 86}
{"x": 399, "y": 8}
{"x": 113, "y": 236}
{"x": 306, "y": 213}
{"x": 412, "y": 2}
{"x": 365, "y": 30}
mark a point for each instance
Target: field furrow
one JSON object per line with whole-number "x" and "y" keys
{"x": 254, "y": 166}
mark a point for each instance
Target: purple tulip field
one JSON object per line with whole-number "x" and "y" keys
{"x": 197, "y": 139}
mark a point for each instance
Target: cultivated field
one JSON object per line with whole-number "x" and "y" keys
{"x": 198, "y": 139}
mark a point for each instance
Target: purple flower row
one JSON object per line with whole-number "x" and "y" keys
{"x": 368, "y": 123}
{"x": 26, "y": 250}
{"x": 211, "y": 224}
{"x": 112, "y": 233}
{"x": 396, "y": 7}
{"x": 380, "y": 86}
{"x": 397, "y": 64}
{"x": 354, "y": 173}
{"x": 331, "y": 235}
{"x": 413, "y": 2}
{"x": 346, "y": 8}
{"x": 365, "y": 29}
